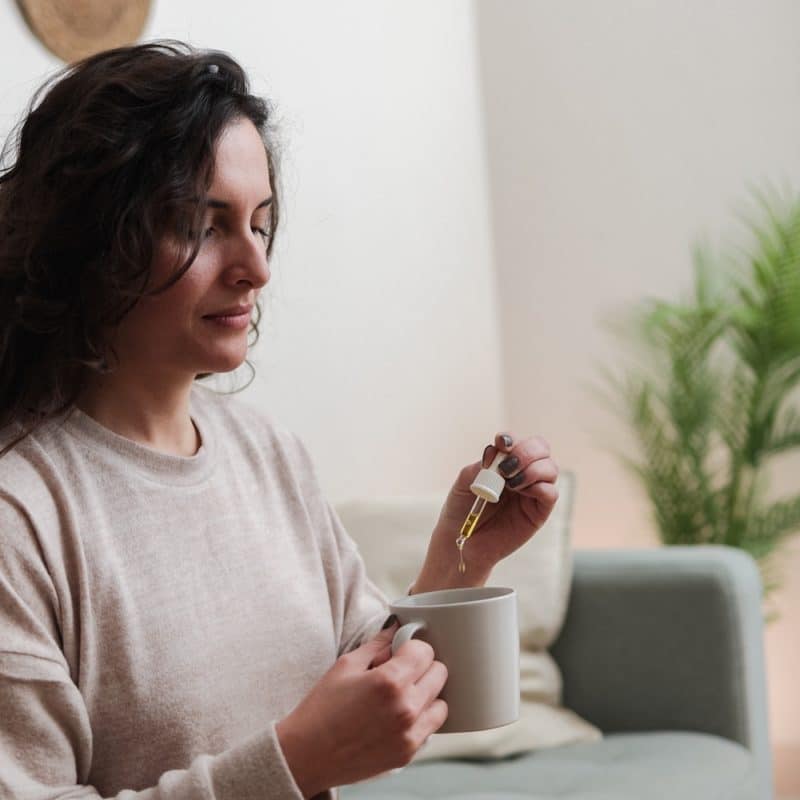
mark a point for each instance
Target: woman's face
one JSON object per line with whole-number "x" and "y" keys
{"x": 200, "y": 323}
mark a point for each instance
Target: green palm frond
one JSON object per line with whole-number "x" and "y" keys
{"x": 786, "y": 435}
{"x": 772, "y": 525}
{"x": 731, "y": 419}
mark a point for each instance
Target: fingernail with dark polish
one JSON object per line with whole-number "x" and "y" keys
{"x": 508, "y": 465}
{"x": 507, "y": 440}
{"x": 515, "y": 481}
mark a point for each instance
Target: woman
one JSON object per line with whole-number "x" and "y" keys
{"x": 181, "y": 613}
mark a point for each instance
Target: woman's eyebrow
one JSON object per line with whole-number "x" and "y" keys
{"x": 212, "y": 202}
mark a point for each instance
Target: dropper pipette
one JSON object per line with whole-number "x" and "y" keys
{"x": 487, "y": 488}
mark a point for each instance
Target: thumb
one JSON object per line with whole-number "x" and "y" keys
{"x": 364, "y": 655}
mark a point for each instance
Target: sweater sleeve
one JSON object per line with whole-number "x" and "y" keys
{"x": 45, "y": 728}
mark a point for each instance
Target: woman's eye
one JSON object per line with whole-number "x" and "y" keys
{"x": 263, "y": 232}
{"x": 208, "y": 232}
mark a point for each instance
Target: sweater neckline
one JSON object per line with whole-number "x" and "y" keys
{"x": 163, "y": 468}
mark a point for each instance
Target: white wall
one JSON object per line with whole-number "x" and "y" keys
{"x": 24, "y": 64}
{"x": 379, "y": 343}
{"x": 618, "y": 132}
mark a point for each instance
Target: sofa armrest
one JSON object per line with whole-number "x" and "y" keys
{"x": 667, "y": 639}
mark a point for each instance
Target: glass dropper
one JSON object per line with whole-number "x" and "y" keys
{"x": 487, "y": 488}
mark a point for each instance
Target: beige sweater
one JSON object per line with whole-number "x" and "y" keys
{"x": 159, "y": 614}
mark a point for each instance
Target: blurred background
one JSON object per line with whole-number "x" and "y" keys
{"x": 471, "y": 189}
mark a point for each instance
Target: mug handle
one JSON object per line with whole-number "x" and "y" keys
{"x": 405, "y": 633}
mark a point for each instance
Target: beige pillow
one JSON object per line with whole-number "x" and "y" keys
{"x": 392, "y": 536}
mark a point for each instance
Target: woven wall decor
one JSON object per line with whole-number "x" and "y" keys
{"x": 74, "y": 29}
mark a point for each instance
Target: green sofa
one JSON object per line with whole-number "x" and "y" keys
{"x": 662, "y": 650}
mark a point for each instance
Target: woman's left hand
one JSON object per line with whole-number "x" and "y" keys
{"x": 525, "y": 504}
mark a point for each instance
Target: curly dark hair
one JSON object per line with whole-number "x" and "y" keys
{"x": 114, "y": 152}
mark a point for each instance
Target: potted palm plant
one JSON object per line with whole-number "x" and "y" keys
{"x": 714, "y": 401}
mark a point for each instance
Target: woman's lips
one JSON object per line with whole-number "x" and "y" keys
{"x": 235, "y": 321}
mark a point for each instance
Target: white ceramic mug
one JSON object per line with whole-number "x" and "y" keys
{"x": 474, "y": 632}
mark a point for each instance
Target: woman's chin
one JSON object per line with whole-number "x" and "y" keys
{"x": 226, "y": 362}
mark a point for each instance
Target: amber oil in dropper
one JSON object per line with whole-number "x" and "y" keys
{"x": 467, "y": 528}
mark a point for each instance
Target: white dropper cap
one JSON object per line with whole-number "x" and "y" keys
{"x": 489, "y": 483}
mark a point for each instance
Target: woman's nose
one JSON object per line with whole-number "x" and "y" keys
{"x": 248, "y": 261}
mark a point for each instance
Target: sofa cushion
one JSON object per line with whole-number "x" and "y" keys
{"x": 629, "y": 766}
{"x": 392, "y": 536}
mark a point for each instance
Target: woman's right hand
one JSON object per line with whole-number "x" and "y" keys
{"x": 369, "y": 713}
